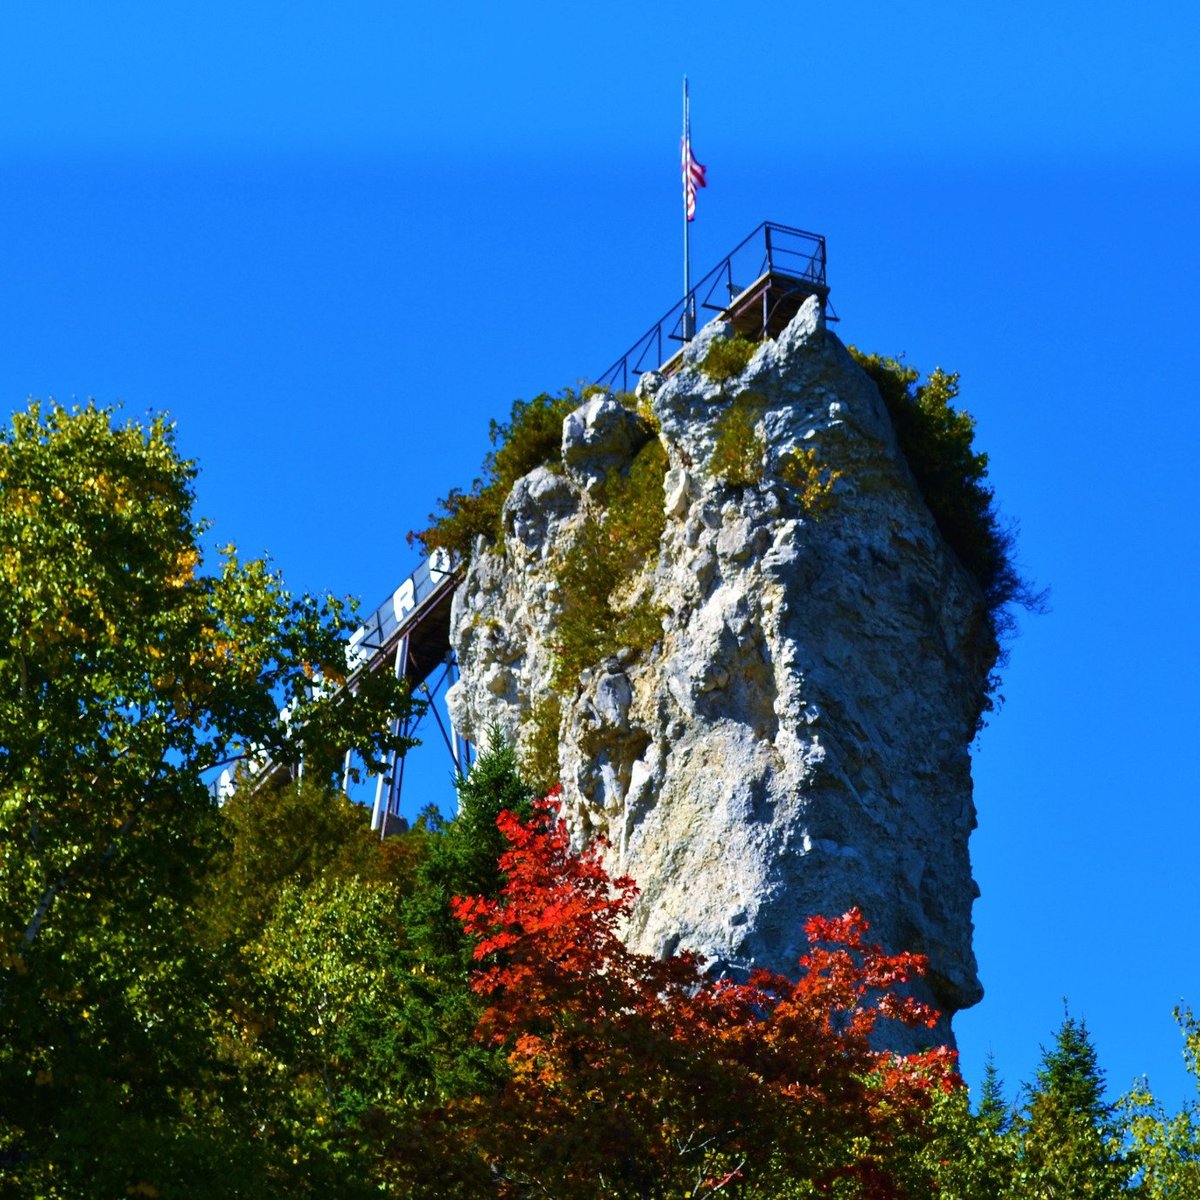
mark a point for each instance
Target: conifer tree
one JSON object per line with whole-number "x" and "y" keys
{"x": 995, "y": 1143}
{"x": 971, "y": 1154}
{"x": 1069, "y": 1135}
{"x": 993, "y": 1113}
{"x": 463, "y": 858}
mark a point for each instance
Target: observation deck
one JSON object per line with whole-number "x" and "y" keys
{"x": 758, "y": 286}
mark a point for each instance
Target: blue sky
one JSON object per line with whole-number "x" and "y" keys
{"x": 335, "y": 243}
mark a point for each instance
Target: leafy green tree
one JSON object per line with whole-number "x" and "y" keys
{"x": 290, "y": 836}
{"x": 1167, "y": 1147}
{"x": 348, "y": 1013}
{"x": 1070, "y": 1136}
{"x": 127, "y": 672}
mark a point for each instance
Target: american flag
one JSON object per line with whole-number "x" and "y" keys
{"x": 693, "y": 177}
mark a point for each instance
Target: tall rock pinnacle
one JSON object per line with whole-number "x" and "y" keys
{"x": 796, "y": 738}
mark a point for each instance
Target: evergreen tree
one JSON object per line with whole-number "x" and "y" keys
{"x": 971, "y": 1154}
{"x": 463, "y": 858}
{"x": 995, "y": 1143}
{"x": 993, "y": 1113}
{"x": 1069, "y": 1135}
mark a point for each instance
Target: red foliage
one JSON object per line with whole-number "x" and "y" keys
{"x": 636, "y": 1076}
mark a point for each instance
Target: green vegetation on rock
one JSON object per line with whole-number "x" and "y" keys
{"x": 937, "y": 440}
{"x": 539, "y": 742}
{"x": 532, "y": 437}
{"x": 740, "y": 450}
{"x": 740, "y": 453}
{"x": 617, "y": 540}
{"x": 727, "y": 358}
{"x": 811, "y": 479}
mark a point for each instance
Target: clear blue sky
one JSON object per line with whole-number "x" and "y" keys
{"x": 335, "y": 240}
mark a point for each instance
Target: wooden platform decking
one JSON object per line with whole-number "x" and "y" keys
{"x": 764, "y": 309}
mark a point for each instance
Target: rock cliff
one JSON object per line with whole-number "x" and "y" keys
{"x": 797, "y": 738}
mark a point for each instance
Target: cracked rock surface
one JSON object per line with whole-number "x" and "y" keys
{"x": 797, "y": 741}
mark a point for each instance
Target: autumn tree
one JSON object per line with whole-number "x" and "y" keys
{"x": 127, "y": 673}
{"x": 635, "y": 1076}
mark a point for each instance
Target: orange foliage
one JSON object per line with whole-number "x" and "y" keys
{"x": 637, "y": 1076}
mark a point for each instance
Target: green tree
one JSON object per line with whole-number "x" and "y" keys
{"x": 1069, "y": 1135}
{"x": 347, "y": 1012}
{"x": 127, "y": 672}
{"x": 461, "y": 858}
{"x": 464, "y": 854}
{"x": 1167, "y": 1147}
{"x": 290, "y": 836}
{"x": 971, "y": 1155}
{"x": 993, "y": 1112}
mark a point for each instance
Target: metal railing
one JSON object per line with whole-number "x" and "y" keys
{"x": 380, "y": 642}
{"x": 378, "y": 633}
{"x": 770, "y": 250}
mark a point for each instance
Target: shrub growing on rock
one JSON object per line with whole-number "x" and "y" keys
{"x": 727, "y": 358}
{"x": 532, "y": 437}
{"x": 937, "y": 440}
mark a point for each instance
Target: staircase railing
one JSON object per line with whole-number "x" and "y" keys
{"x": 770, "y": 250}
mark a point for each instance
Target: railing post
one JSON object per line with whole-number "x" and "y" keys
{"x": 770, "y": 264}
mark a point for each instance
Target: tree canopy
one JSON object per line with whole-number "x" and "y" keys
{"x": 127, "y": 673}
{"x": 264, "y": 999}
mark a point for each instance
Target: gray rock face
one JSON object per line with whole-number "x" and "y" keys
{"x": 598, "y": 437}
{"x": 798, "y": 740}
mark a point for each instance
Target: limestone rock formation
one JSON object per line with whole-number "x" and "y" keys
{"x": 797, "y": 741}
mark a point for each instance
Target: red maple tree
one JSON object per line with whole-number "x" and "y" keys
{"x": 638, "y": 1076}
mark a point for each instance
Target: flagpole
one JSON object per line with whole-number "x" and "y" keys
{"x": 687, "y": 251}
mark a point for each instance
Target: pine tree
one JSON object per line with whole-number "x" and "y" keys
{"x": 993, "y": 1114}
{"x": 1070, "y": 1137}
{"x": 972, "y": 1155}
{"x": 463, "y": 857}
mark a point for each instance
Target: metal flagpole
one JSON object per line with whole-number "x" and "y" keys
{"x": 687, "y": 252}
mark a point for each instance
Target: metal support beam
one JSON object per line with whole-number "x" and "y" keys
{"x": 378, "y": 811}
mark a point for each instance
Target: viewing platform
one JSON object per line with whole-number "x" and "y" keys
{"x": 759, "y": 287}
{"x": 409, "y": 634}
